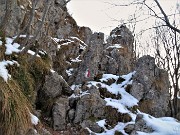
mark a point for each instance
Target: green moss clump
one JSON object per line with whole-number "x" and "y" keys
{"x": 30, "y": 75}
{"x": 25, "y": 81}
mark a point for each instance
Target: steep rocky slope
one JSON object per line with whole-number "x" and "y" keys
{"x": 74, "y": 81}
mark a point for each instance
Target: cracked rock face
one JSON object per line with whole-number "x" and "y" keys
{"x": 89, "y": 105}
{"x": 59, "y": 112}
{"x": 118, "y": 52}
{"x": 150, "y": 87}
{"x": 79, "y": 56}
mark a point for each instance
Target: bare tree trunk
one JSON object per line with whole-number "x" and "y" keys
{"x": 26, "y": 29}
{"x": 47, "y": 5}
{"x": 169, "y": 60}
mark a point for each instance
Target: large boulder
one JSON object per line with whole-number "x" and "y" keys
{"x": 54, "y": 87}
{"x": 91, "y": 59}
{"x": 151, "y": 87}
{"x": 117, "y": 55}
{"x": 89, "y": 106}
{"x": 85, "y": 34}
{"x": 59, "y": 111}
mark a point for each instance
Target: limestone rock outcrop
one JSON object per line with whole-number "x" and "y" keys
{"x": 65, "y": 100}
{"x": 118, "y": 52}
{"x": 91, "y": 59}
{"x": 150, "y": 86}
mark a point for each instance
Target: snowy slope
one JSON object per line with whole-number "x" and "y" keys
{"x": 161, "y": 126}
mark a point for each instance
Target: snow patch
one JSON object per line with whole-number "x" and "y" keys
{"x": 114, "y": 35}
{"x": 52, "y": 71}
{"x": 116, "y": 104}
{"x": 101, "y": 123}
{"x": 105, "y": 77}
{"x": 34, "y": 119}
{"x": 76, "y": 38}
{"x": 82, "y": 93}
{"x": 43, "y": 52}
{"x": 69, "y": 72}
{"x": 10, "y": 48}
{"x": 32, "y": 53}
{"x": 3, "y": 71}
{"x": 1, "y": 42}
{"x": 56, "y": 39}
{"x": 76, "y": 59}
{"x": 126, "y": 99}
{"x": 119, "y": 127}
{"x": 118, "y": 46}
{"x": 161, "y": 126}
{"x": 67, "y": 43}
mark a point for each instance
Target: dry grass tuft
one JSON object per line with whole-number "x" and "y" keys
{"x": 17, "y": 96}
{"x": 15, "y": 109}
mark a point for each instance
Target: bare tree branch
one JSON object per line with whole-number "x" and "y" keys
{"x": 166, "y": 19}
{"x": 27, "y": 27}
{"x": 47, "y": 4}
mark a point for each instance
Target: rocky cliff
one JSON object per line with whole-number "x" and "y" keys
{"x": 73, "y": 80}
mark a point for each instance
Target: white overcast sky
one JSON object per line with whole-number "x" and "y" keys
{"x": 101, "y": 16}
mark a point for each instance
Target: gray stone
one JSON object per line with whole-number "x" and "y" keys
{"x": 55, "y": 86}
{"x": 59, "y": 112}
{"x": 71, "y": 115}
{"x": 85, "y": 34}
{"x": 45, "y": 132}
{"x": 16, "y": 17}
{"x": 137, "y": 90}
{"x": 151, "y": 87}
{"x": 52, "y": 86}
{"x": 118, "y": 60}
{"x": 140, "y": 125}
{"x": 92, "y": 126}
{"x": 91, "y": 59}
{"x": 73, "y": 102}
{"x": 129, "y": 128}
{"x": 89, "y": 105}
{"x": 178, "y": 116}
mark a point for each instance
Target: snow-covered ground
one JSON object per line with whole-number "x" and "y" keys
{"x": 161, "y": 126}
